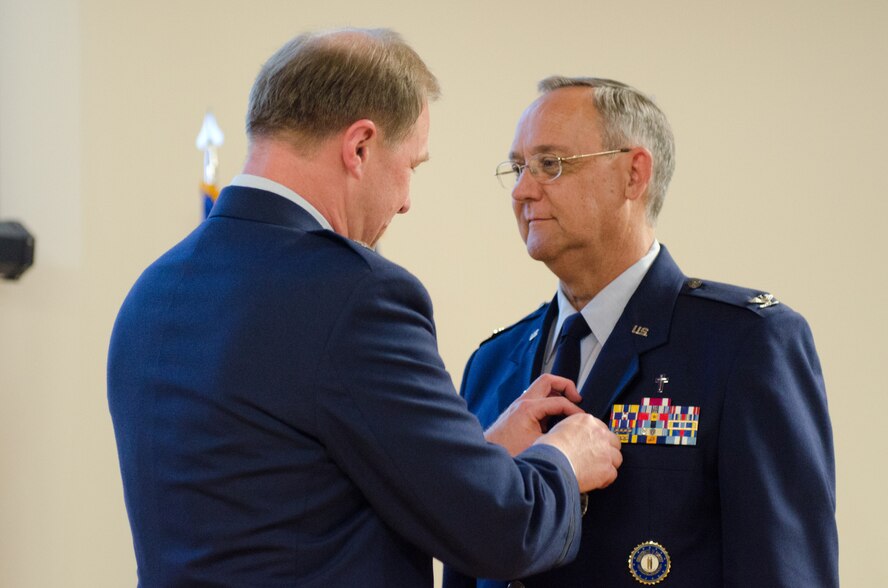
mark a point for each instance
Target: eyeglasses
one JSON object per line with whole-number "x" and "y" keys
{"x": 545, "y": 167}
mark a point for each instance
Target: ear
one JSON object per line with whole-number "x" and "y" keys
{"x": 357, "y": 141}
{"x": 641, "y": 168}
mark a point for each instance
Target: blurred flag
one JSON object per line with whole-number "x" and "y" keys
{"x": 208, "y": 140}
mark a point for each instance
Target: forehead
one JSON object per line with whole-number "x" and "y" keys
{"x": 560, "y": 120}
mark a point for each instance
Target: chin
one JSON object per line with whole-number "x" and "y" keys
{"x": 373, "y": 241}
{"x": 537, "y": 250}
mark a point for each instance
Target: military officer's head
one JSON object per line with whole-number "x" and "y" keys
{"x": 588, "y": 169}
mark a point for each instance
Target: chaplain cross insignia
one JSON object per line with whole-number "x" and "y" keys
{"x": 662, "y": 381}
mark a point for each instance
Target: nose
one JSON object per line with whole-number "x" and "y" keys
{"x": 527, "y": 187}
{"x": 405, "y": 207}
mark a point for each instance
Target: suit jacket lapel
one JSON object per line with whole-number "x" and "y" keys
{"x": 526, "y": 357}
{"x": 644, "y": 325}
{"x": 543, "y": 338}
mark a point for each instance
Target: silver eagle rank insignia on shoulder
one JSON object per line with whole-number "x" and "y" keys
{"x": 764, "y": 300}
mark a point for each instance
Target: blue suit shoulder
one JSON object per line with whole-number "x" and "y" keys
{"x": 375, "y": 281}
{"x": 358, "y": 252}
{"x": 759, "y": 302}
{"x": 370, "y": 260}
{"x": 517, "y": 327}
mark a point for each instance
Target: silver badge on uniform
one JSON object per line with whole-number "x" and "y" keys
{"x": 764, "y": 300}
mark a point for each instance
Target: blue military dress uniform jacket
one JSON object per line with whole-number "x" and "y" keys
{"x": 752, "y": 503}
{"x": 283, "y": 418}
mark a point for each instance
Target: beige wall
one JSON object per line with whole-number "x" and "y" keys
{"x": 777, "y": 110}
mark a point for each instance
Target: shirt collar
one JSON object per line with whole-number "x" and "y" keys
{"x": 603, "y": 311}
{"x": 260, "y": 183}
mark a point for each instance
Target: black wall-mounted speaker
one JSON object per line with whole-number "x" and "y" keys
{"x": 16, "y": 249}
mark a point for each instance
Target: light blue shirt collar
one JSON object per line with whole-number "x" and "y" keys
{"x": 601, "y": 313}
{"x": 260, "y": 183}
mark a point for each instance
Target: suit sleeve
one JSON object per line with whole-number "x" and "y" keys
{"x": 452, "y": 578}
{"x": 397, "y": 428}
{"x": 776, "y": 465}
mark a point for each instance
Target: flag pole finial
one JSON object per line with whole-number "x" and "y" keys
{"x": 209, "y": 139}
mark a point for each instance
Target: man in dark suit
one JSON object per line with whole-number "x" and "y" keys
{"x": 281, "y": 412}
{"x": 716, "y": 391}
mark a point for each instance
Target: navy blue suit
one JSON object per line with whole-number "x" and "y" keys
{"x": 283, "y": 418}
{"x": 753, "y": 502}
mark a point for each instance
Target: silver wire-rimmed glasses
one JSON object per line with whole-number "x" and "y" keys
{"x": 545, "y": 167}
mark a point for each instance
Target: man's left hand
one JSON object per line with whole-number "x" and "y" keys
{"x": 525, "y": 420}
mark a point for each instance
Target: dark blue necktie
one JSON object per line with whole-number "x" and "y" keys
{"x": 567, "y": 360}
{"x": 567, "y": 364}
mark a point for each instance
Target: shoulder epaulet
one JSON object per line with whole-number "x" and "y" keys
{"x": 754, "y": 300}
{"x": 532, "y": 316}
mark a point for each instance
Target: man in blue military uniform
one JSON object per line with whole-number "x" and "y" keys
{"x": 281, "y": 412}
{"x": 716, "y": 391}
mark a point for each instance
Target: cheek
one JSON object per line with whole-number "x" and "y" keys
{"x": 519, "y": 217}
{"x": 404, "y": 192}
{"x": 398, "y": 193}
{"x": 517, "y": 210}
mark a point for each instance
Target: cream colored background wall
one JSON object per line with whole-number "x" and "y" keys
{"x": 777, "y": 108}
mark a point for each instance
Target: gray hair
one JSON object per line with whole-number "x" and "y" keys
{"x": 320, "y": 83}
{"x": 628, "y": 117}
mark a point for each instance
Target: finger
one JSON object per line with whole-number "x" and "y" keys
{"x": 554, "y": 405}
{"x": 549, "y": 385}
{"x": 559, "y": 386}
{"x": 537, "y": 389}
{"x": 617, "y": 459}
{"x": 611, "y": 478}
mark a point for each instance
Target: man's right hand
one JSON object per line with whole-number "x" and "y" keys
{"x": 593, "y": 450}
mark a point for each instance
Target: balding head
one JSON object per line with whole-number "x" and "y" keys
{"x": 320, "y": 83}
{"x": 629, "y": 117}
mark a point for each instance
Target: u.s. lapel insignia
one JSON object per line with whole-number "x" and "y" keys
{"x": 640, "y": 331}
{"x": 649, "y": 563}
{"x": 655, "y": 422}
{"x": 764, "y": 300}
